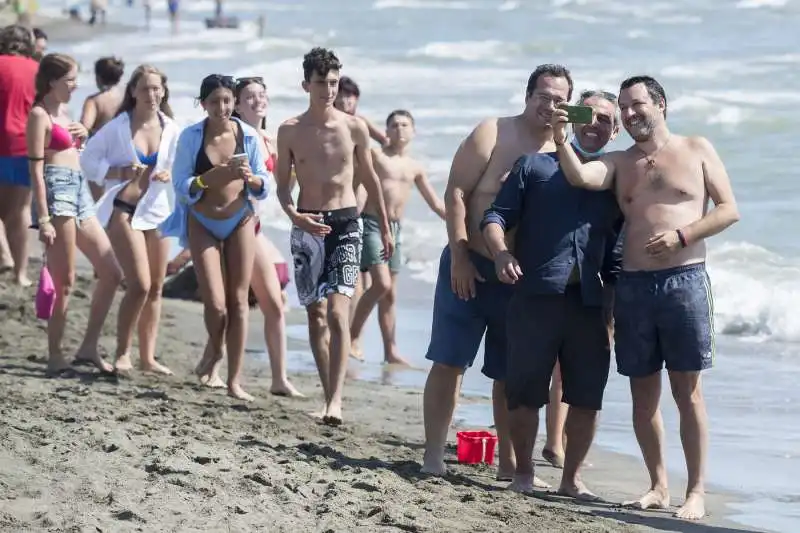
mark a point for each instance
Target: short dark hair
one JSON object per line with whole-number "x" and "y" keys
{"x": 16, "y": 40}
{"x": 109, "y": 70}
{"x": 39, "y": 33}
{"x": 400, "y": 113}
{"x": 553, "y": 71}
{"x": 654, "y": 89}
{"x": 320, "y": 60}
{"x": 348, "y": 87}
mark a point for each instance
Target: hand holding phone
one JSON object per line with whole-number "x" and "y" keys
{"x": 579, "y": 114}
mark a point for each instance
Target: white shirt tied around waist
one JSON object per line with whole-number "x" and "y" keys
{"x": 112, "y": 146}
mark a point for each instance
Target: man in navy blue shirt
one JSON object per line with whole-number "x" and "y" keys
{"x": 560, "y": 270}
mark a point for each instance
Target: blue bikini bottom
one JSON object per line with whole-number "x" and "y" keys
{"x": 222, "y": 228}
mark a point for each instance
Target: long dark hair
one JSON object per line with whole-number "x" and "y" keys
{"x": 241, "y": 83}
{"x": 52, "y": 68}
{"x": 16, "y": 40}
{"x": 129, "y": 101}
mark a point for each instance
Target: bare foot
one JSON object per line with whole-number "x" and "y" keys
{"x": 23, "y": 281}
{"x": 285, "y": 388}
{"x": 236, "y": 391}
{"x": 93, "y": 359}
{"x": 505, "y": 474}
{"x": 556, "y": 460}
{"x": 694, "y": 508}
{"x": 653, "y": 499}
{"x": 522, "y": 483}
{"x": 123, "y": 363}
{"x": 355, "y": 350}
{"x": 578, "y": 491}
{"x": 333, "y": 415}
{"x": 206, "y": 369}
{"x": 433, "y": 464}
{"x": 57, "y": 365}
{"x": 396, "y": 360}
{"x": 155, "y": 367}
{"x": 213, "y": 381}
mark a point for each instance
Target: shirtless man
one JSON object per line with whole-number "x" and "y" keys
{"x": 323, "y": 144}
{"x": 398, "y": 172}
{"x": 663, "y": 312}
{"x": 469, "y": 299}
{"x": 347, "y": 101}
{"x": 102, "y": 106}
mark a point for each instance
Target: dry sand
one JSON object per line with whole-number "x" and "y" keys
{"x": 94, "y": 454}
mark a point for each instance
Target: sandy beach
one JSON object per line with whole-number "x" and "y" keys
{"x": 146, "y": 453}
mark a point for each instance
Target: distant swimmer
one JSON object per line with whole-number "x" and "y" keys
{"x": 398, "y": 172}
{"x": 173, "y": 7}
{"x": 663, "y": 312}
{"x": 102, "y": 106}
{"x": 324, "y": 144}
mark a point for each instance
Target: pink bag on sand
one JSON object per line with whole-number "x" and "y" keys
{"x": 45, "y": 294}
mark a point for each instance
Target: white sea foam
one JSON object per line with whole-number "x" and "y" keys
{"x": 755, "y": 4}
{"x": 492, "y": 51}
{"x": 420, "y": 4}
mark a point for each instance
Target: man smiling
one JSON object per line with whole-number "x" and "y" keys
{"x": 560, "y": 268}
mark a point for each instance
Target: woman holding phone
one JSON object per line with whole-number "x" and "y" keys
{"x": 66, "y": 211}
{"x": 218, "y": 171}
{"x": 132, "y": 156}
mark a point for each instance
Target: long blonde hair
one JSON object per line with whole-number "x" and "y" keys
{"x": 129, "y": 101}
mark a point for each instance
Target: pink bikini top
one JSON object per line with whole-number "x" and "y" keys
{"x": 270, "y": 162}
{"x": 60, "y": 138}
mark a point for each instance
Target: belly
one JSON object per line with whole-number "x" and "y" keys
{"x": 223, "y": 202}
{"x": 645, "y": 221}
{"x": 321, "y": 193}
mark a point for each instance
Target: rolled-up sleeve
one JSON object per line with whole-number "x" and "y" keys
{"x": 94, "y": 158}
{"x": 507, "y": 206}
{"x": 258, "y": 167}
{"x": 183, "y": 168}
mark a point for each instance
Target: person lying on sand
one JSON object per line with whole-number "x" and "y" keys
{"x": 398, "y": 172}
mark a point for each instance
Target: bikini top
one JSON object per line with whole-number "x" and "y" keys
{"x": 203, "y": 164}
{"x": 270, "y": 162}
{"x": 152, "y": 159}
{"x": 60, "y": 138}
{"x": 148, "y": 160}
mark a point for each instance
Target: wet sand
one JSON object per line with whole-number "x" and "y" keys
{"x": 148, "y": 453}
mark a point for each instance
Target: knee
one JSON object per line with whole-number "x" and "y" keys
{"x": 216, "y": 312}
{"x": 137, "y": 289}
{"x": 687, "y": 397}
{"x": 65, "y": 283}
{"x": 338, "y": 319}
{"x": 381, "y": 284}
{"x": 237, "y": 305}
{"x": 156, "y": 288}
{"x": 317, "y": 318}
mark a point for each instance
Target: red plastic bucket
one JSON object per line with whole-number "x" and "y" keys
{"x": 476, "y": 447}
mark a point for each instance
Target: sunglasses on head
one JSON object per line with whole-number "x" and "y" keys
{"x": 241, "y": 83}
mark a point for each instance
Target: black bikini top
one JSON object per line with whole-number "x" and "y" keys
{"x": 202, "y": 163}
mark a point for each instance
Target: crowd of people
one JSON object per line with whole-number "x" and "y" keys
{"x": 556, "y": 248}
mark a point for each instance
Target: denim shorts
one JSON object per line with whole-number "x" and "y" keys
{"x": 68, "y": 193}
{"x": 663, "y": 318}
{"x": 458, "y": 325}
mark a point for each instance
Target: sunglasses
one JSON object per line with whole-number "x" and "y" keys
{"x": 241, "y": 83}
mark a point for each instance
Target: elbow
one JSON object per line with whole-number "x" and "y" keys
{"x": 735, "y": 215}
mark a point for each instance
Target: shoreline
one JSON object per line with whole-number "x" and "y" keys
{"x": 180, "y": 447}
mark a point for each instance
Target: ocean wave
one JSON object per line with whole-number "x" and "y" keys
{"x": 420, "y": 4}
{"x": 493, "y": 51}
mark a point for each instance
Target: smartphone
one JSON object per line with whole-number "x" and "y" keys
{"x": 579, "y": 114}
{"x": 243, "y": 157}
